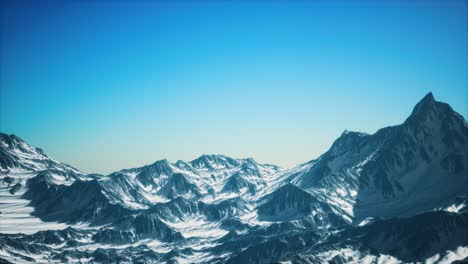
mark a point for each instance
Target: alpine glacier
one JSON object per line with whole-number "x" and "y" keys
{"x": 399, "y": 195}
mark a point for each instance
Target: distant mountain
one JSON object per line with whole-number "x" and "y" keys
{"x": 17, "y": 155}
{"x": 399, "y": 195}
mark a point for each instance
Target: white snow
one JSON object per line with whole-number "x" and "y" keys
{"x": 450, "y": 256}
{"x": 16, "y": 215}
{"x": 198, "y": 227}
{"x": 365, "y": 221}
{"x": 454, "y": 208}
{"x": 353, "y": 256}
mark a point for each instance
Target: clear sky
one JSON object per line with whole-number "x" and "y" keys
{"x": 110, "y": 85}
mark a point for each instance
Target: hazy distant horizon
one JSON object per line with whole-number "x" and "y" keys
{"x": 140, "y": 164}
{"x": 104, "y": 86}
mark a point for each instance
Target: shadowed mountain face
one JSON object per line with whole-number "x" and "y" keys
{"x": 399, "y": 195}
{"x": 399, "y": 170}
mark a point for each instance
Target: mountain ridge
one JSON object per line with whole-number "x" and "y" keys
{"x": 217, "y": 209}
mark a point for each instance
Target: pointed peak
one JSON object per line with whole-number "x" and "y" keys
{"x": 160, "y": 165}
{"x": 428, "y": 97}
{"x": 251, "y": 160}
{"x": 214, "y": 161}
{"x": 163, "y": 161}
{"x": 428, "y": 111}
{"x": 15, "y": 137}
{"x": 180, "y": 162}
{"x": 208, "y": 157}
{"x": 11, "y": 139}
{"x": 426, "y": 102}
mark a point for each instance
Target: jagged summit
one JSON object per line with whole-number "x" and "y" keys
{"x": 12, "y": 138}
{"x": 213, "y": 162}
{"x": 428, "y": 111}
{"x": 347, "y": 132}
{"x": 397, "y": 170}
{"x": 16, "y": 144}
{"x": 426, "y": 102}
{"x": 429, "y": 97}
{"x": 16, "y": 154}
{"x": 211, "y": 157}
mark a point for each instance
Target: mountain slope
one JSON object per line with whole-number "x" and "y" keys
{"x": 17, "y": 155}
{"x": 431, "y": 236}
{"x": 398, "y": 170}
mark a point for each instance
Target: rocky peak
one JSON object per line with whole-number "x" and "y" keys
{"x": 213, "y": 162}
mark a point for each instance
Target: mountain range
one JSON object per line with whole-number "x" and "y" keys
{"x": 399, "y": 195}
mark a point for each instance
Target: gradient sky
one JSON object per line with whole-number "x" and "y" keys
{"x": 104, "y": 86}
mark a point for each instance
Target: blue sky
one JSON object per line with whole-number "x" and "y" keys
{"x": 104, "y": 86}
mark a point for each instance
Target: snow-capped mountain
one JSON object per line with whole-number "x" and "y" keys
{"x": 399, "y": 195}
{"x": 17, "y": 156}
{"x": 399, "y": 170}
